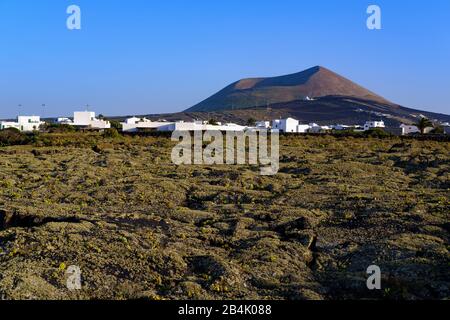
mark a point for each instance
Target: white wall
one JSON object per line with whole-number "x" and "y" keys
{"x": 83, "y": 118}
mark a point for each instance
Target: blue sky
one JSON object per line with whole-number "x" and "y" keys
{"x": 143, "y": 56}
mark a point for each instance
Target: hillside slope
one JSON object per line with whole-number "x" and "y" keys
{"x": 314, "y": 82}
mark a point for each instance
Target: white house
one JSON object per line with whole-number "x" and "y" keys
{"x": 303, "y": 128}
{"x": 87, "y": 119}
{"x": 9, "y": 124}
{"x": 288, "y": 125}
{"x": 315, "y": 128}
{"x": 409, "y": 129}
{"x": 134, "y": 120}
{"x": 23, "y": 123}
{"x": 374, "y": 124}
{"x": 135, "y": 124}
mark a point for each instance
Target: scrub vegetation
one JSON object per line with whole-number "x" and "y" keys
{"x": 140, "y": 227}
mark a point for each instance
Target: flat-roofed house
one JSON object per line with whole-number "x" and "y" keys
{"x": 136, "y": 124}
{"x": 374, "y": 124}
{"x": 288, "y": 125}
{"x": 87, "y": 119}
{"x": 23, "y": 123}
{"x": 409, "y": 129}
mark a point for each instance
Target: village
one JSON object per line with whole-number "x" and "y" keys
{"x": 87, "y": 120}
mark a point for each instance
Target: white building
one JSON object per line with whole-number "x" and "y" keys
{"x": 9, "y": 124}
{"x": 87, "y": 119}
{"x": 315, "y": 128}
{"x": 263, "y": 125}
{"x": 201, "y": 126}
{"x": 64, "y": 121}
{"x": 409, "y": 129}
{"x": 135, "y": 124}
{"x": 303, "y": 128}
{"x": 374, "y": 124}
{"x": 23, "y": 123}
{"x": 340, "y": 127}
{"x": 288, "y": 125}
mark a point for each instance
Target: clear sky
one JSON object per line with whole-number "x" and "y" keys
{"x": 149, "y": 56}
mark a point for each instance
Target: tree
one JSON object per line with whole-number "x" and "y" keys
{"x": 12, "y": 137}
{"x": 438, "y": 130}
{"x": 115, "y": 124}
{"x": 377, "y": 133}
{"x": 212, "y": 122}
{"x": 423, "y": 124}
{"x": 111, "y": 133}
{"x": 251, "y": 122}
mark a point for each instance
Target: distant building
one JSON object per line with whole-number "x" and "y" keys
{"x": 409, "y": 129}
{"x": 87, "y": 119}
{"x": 263, "y": 124}
{"x": 135, "y": 124}
{"x": 201, "y": 126}
{"x": 341, "y": 127}
{"x": 303, "y": 128}
{"x": 288, "y": 125}
{"x": 374, "y": 124}
{"x": 315, "y": 128}
{"x": 64, "y": 121}
{"x": 23, "y": 123}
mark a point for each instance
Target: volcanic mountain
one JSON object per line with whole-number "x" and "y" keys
{"x": 313, "y": 83}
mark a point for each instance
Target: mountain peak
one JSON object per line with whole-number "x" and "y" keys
{"x": 314, "y": 82}
{"x": 318, "y": 69}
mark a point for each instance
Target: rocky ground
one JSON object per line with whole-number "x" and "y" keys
{"x": 141, "y": 227}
